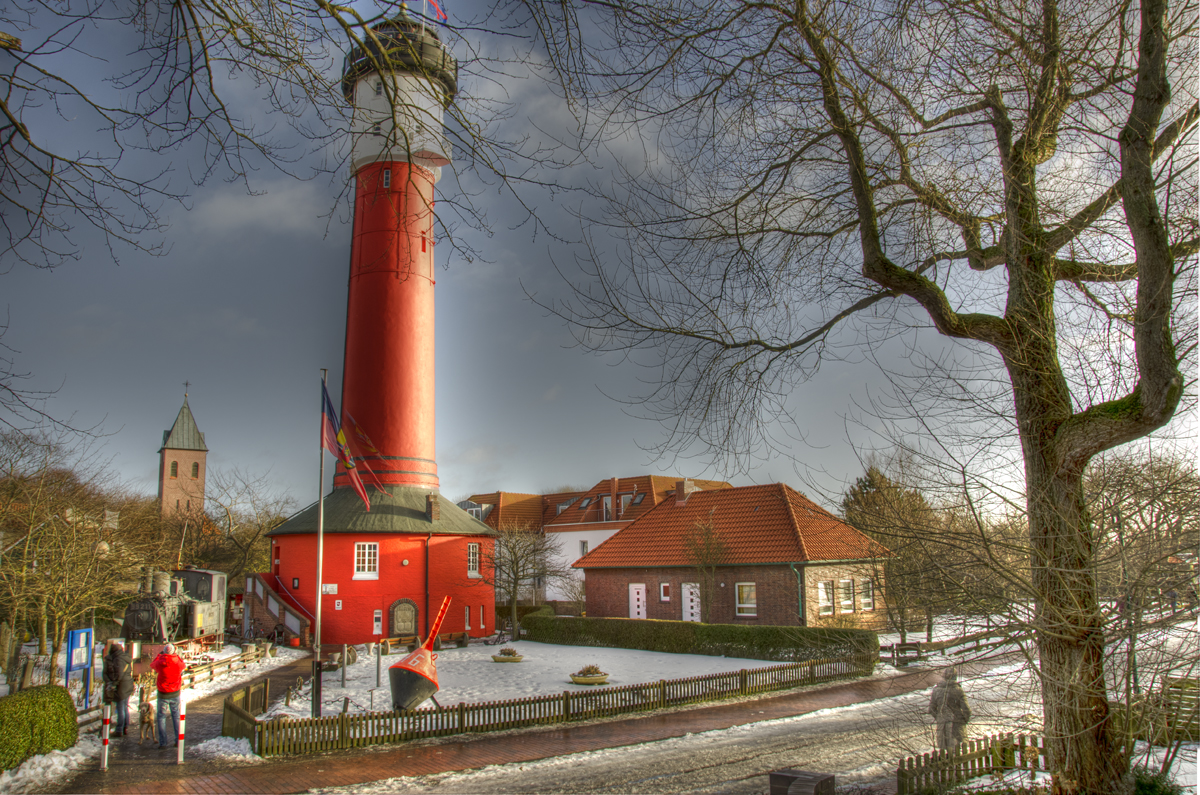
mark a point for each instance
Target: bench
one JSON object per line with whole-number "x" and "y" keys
{"x": 408, "y": 641}
{"x": 459, "y": 639}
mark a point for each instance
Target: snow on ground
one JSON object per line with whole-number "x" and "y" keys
{"x": 38, "y": 772}
{"x": 226, "y": 749}
{"x": 1004, "y": 699}
{"x": 469, "y": 675}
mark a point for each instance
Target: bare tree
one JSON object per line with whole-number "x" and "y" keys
{"x": 1019, "y": 175}
{"x": 242, "y": 509}
{"x": 706, "y": 550}
{"x": 516, "y": 559}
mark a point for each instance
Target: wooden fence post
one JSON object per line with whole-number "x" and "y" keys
{"x": 462, "y": 718}
{"x": 742, "y": 681}
{"x": 566, "y": 705}
{"x": 662, "y": 693}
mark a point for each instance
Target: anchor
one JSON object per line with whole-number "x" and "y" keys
{"x": 414, "y": 679}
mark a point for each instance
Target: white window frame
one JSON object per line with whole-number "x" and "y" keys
{"x": 387, "y": 180}
{"x": 664, "y": 592}
{"x": 746, "y": 609}
{"x": 366, "y": 560}
{"x": 482, "y": 624}
{"x": 583, "y": 547}
{"x": 473, "y": 560}
{"x": 867, "y": 596}
{"x": 841, "y": 593}
{"x": 379, "y": 88}
{"x": 467, "y": 617}
{"x": 825, "y": 598}
{"x": 606, "y": 504}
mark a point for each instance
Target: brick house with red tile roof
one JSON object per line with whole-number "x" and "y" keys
{"x": 786, "y": 561}
{"x": 582, "y": 520}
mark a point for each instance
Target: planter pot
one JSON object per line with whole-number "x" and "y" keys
{"x": 598, "y": 679}
{"x": 503, "y": 658}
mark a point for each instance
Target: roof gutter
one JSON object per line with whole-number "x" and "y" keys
{"x": 800, "y": 592}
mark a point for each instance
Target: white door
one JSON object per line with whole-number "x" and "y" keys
{"x": 691, "y": 601}
{"x": 637, "y": 600}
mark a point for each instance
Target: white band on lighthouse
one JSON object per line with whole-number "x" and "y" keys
{"x": 406, "y": 126}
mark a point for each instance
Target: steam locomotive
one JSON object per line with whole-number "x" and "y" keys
{"x": 184, "y": 607}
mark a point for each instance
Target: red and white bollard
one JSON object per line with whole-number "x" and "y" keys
{"x": 182, "y": 730}
{"x": 106, "y": 717}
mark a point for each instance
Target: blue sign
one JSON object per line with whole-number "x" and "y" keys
{"x": 79, "y": 658}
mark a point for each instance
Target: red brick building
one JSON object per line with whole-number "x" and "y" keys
{"x": 385, "y": 571}
{"x": 780, "y": 560}
{"x": 583, "y": 520}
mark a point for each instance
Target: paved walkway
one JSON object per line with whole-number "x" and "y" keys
{"x": 148, "y": 772}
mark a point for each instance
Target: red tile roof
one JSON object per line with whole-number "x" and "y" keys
{"x": 511, "y": 509}
{"x": 655, "y": 487}
{"x": 758, "y": 524}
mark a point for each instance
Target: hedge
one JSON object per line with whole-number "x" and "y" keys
{"x": 787, "y": 644}
{"x": 36, "y": 721}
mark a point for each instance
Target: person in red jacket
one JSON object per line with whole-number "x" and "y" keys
{"x": 169, "y": 668}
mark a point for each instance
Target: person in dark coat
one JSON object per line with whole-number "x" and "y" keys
{"x": 949, "y": 708}
{"x": 118, "y": 685}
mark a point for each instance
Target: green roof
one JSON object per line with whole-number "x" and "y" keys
{"x": 184, "y": 435}
{"x": 402, "y": 512}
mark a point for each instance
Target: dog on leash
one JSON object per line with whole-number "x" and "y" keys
{"x": 147, "y": 721}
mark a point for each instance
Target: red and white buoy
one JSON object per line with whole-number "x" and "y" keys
{"x": 414, "y": 679}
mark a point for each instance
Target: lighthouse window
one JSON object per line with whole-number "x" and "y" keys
{"x": 467, "y": 616}
{"x": 366, "y": 561}
{"x": 387, "y": 178}
{"x": 379, "y": 88}
{"x": 378, "y": 129}
{"x": 473, "y": 560}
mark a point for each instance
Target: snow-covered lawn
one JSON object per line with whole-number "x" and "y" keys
{"x": 469, "y": 675}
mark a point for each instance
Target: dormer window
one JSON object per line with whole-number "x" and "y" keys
{"x": 562, "y": 506}
{"x": 606, "y": 501}
{"x": 626, "y": 499}
{"x": 637, "y": 498}
{"x": 586, "y": 502}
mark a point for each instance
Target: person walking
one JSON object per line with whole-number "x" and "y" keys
{"x": 950, "y": 710}
{"x": 169, "y": 668}
{"x": 118, "y": 685}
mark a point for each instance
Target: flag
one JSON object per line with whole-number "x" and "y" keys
{"x": 334, "y": 440}
{"x": 360, "y": 445}
{"x": 438, "y": 9}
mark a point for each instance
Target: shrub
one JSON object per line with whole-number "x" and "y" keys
{"x": 1153, "y": 782}
{"x": 36, "y": 721}
{"x": 787, "y": 644}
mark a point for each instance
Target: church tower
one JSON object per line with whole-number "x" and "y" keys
{"x": 181, "y": 466}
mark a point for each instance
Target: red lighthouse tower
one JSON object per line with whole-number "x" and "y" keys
{"x": 399, "y": 90}
{"x": 384, "y": 570}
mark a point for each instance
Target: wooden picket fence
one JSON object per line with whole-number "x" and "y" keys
{"x": 313, "y": 735}
{"x": 985, "y": 756}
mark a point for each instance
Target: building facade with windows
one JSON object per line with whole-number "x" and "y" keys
{"x": 580, "y": 521}
{"x": 775, "y": 558}
{"x": 385, "y": 572}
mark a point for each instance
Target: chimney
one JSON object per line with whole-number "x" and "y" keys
{"x": 682, "y": 489}
{"x": 433, "y": 510}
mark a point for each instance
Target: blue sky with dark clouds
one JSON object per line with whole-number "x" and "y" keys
{"x": 249, "y": 301}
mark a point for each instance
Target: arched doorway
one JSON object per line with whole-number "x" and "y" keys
{"x": 404, "y": 615}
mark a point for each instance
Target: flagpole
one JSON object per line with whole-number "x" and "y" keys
{"x": 316, "y": 678}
